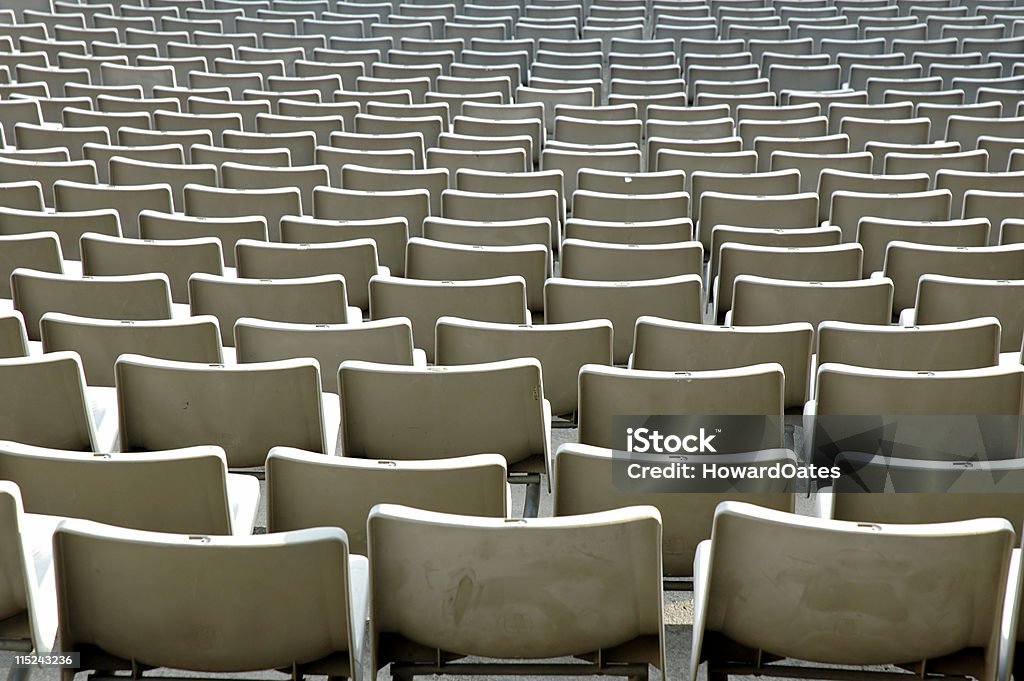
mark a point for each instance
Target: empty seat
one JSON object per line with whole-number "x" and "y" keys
{"x": 185, "y": 490}
{"x": 621, "y": 302}
{"x": 69, "y": 226}
{"x": 120, "y": 587}
{"x": 311, "y": 490}
{"x": 757, "y": 301}
{"x": 246, "y": 409}
{"x": 942, "y": 299}
{"x": 875, "y": 235}
{"x": 598, "y": 261}
{"x": 591, "y": 616}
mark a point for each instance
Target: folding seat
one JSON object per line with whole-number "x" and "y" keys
{"x": 439, "y": 261}
{"x": 611, "y": 182}
{"x": 304, "y": 178}
{"x": 54, "y": 78}
{"x": 687, "y": 130}
{"x": 582, "y": 131}
{"x": 810, "y": 165}
{"x": 131, "y": 137}
{"x": 570, "y": 162}
{"x": 849, "y": 207}
{"x": 46, "y": 403}
{"x": 497, "y": 299}
{"x": 960, "y": 182}
{"x": 125, "y": 171}
{"x": 599, "y": 261}
{"x": 976, "y": 88}
{"x": 831, "y": 181}
{"x": 691, "y": 161}
{"x": 665, "y": 345}
{"x": 234, "y": 570}
{"x": 754, "y": 392}
{"x": 764, "y": 184}
{"x": 145, "y": 76}
{"x": 750, "y": 130}
{"x": 185, "y": 490}
{"x": 969, "y": 344}
{"x": 486, "y": 160}
{"x": 736, "y": 616}
{"x": 248, "y": 110}
{"x": 36, "y": 250}
{"x": 879, "y": 150}
{"x": 942, "y": 299}
{"x": 69, "y": 227}
{"x": 248, "y": 67}
{"x": 317, "y": 299}
{"x": 14, "y": 111}
{"x": 386, "y": 109}
{"x": 996, "y": 207}
{"x": 807, "y": 237}
{"x": 237, "y": 83}
{"x": 301, "y": 145}
{"x": 896, "y": 163}
{"x": 365, "y": 178}
{"x": 354, "y": 259}
{"x": 875, "y": 234}
{"x": 465, "y": 205}
{"x": 1016, "y": 162}
{"x": 813, "y": 264}
{"x": 216, "y": 124}
{"x": 389, "y": 233}
{"x": 413, "y": 205}
{"x": 758, "y": 301}
{"x": 266, "y": 205}
{"x": 274, "y": 403}
{"x": 30, "y": 601}
{"x": 904, "y": 131}
{"x": 999, "y": 149}
{"x": 549, "y": 98}
{"x": 100, "y": 154}
{"x": 411, "y": 141}
{"x": 630, "y": 208}
{"x": 388, "y": 341}
{"x": 126, "y": 202}
{"x": 29, "y": 136}
{"x": 503, "y": 128}
{"x": 968, "y": 131}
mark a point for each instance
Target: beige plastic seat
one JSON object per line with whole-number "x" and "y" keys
{"x": 363, "y": 178}
{"x": 571, "y": 162}
{"x": 34, "y": 250}
{"x": 105, "y": 572}
{"x": 741, "y": 608}
{"x": 831, "y": 181}
{"x": 41, "y": 137}
{"x": 849, "y": 207}
{"x": 810, "y": 165}
{"x": 508, "y": 160}
{"x": 69, "y": 226}
{"x": 969, "y": 344}
{"x": 246, "y": 409}
{"x": 742, "y": 406}
{"x": 196, "y": 234}
{"x": 959, "y": 415}
{"x": 440, "y": 261}
{"x": 179, "y": 259}
{"x": 552, "y": 551}
{"x": 23, "y": 195}
{"x": 128, "y": 202}
{"x": 960, "y": 182}
{"x": 510, "y": 183}
{"x": 905, "y": 263}
{"x": 676, "y": 230}
{"x": 355, "y": 259}
{"x": 666, "y": 345}
{"x": 135, "y": 297}
{"x": 689, "y": 162}
{"x": 387, "y": 341}
{"x": 466, "y": 205}
{"x": 584, "y": 477}
{"x": 779, "y": 211}
{"x": 614, "y": 262}
{"x": 45, "y": 403}
{"x": 622, "y": 302}
{"x": 13, "y": 339}
{"x": 809, "y": 237}
{"x": 942, "y": 299}
{"x": 267, "y": 205}
{"x": 29, "y": 605}
{"x": 304, "y": 178}
{"x": 995, "y": 206}
{"x": 124, "y": 171}
{"x": 629, "y": 208}
{"x": 609, "y": 182}
{"x": 46, "y": 173}
{"x": 397, "y": 412}
{"x": 497, "y": 299}
{"x": 758, "y": 301}
{"x": 184, "y": 490}
{"x": 345, "y": 204}
{"x": 318, "y": 299}
{"x": 875, "y": 235}
{"x": 560, "y": 348}
{"x": 311, "y": 490}
{"x": 756, "y": 184}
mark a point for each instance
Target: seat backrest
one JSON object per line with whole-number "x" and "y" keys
{"x": 181, "y": 490}
{"x": 875, "y": 235}
{"x": 591, "y": 479}
{"x": 34, "y": 250}
{"x": 99, "y": 342}
{"x": 69, "y": 226}
{"x": 133, "y": 297}
{"x": 969, "y": 344}
{"x": 119, "y": 587}
{"x": 309, "y": 300}
{"x": 20, "y": 597}
{"x": 754, "y": 392}
{"x": 970, "y": 414}
{"x": 591, "y": 616}
{"x": 498, "y": 299}
{"x": 665, "y": 345}
{"x": 246, "y": 409}
{"x": 756, "y": 598}
{"x": 313, "y": 490}
{"x": 759, "y": 301}
{"x": 598, "y": 261}
{"x": 43, "y": 402}
{"x": 905, "y": 263}
{"x": 621, "y": 302}
{"x": 942, "y": 299}
{"x": 561, "y": 350}
{"x": 401, "y": 412}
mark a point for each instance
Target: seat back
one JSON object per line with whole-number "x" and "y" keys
{"x": 312, "y": 490}
{"x": 751, "y": 391}
{"x": 617, "y": 613}
{"x": 43, "y": 402}
{"x": 119, "y": 587}
{"x": 942, "y": 299}
{"x": 760, "y": 301}
{"x": 246, "y": 409}
{"x": 400, "y": 412}
{"x": 181, "y": 490}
